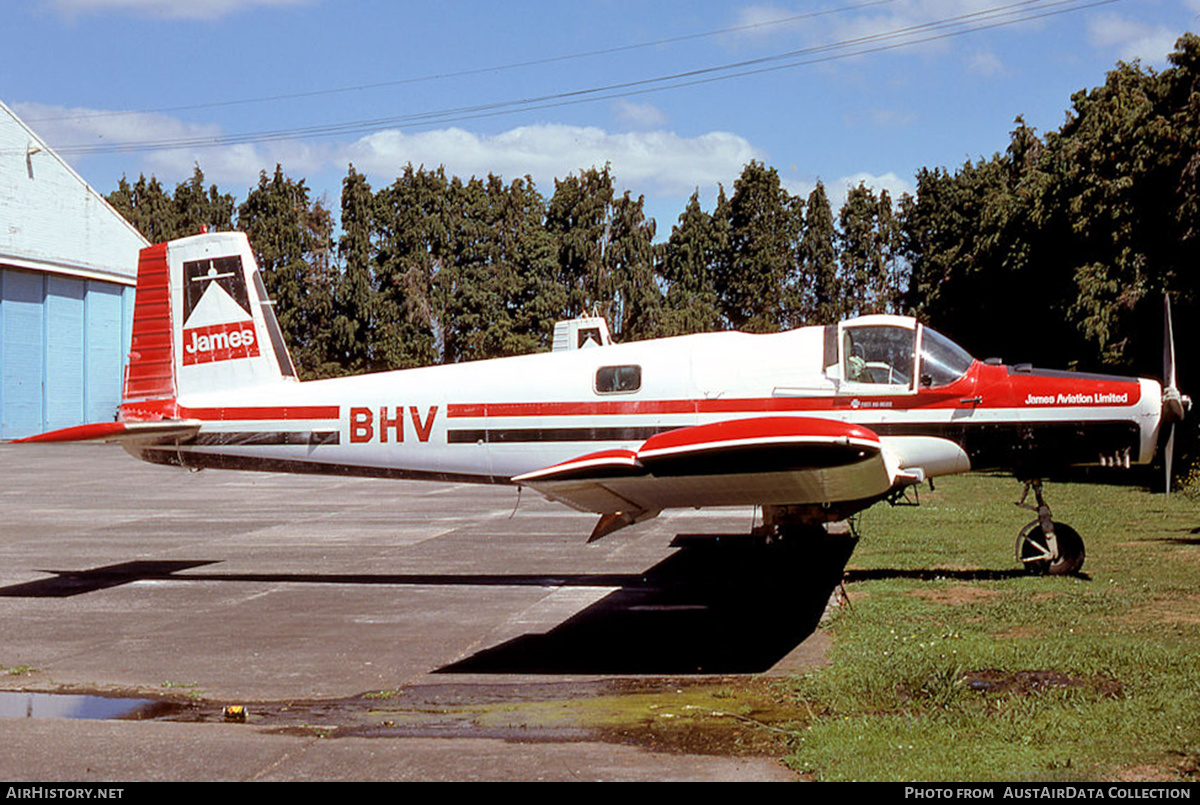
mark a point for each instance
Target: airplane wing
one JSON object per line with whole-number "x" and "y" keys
{"x": 762, "y": 461}
{"x": 162, "y": 430}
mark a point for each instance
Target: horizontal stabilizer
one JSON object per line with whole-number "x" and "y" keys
{"x": 163, "y": 430}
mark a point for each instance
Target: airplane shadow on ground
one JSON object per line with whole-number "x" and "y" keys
{"x": 728, "y": 605}
{"x": 713, "y": 607}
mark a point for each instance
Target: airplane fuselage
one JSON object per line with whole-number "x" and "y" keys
{"x": 489, "y": 421}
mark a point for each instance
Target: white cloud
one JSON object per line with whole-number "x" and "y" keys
{"x": 654, "y": 162}
{"x": 660, "y": 164}
{"x": 862, "y": 27}
{"x": 896, "y": 187}
{"x": 764, "y": 20}
{"x": 984, "y": 63}
{"x": 1131, "y": 39}
{"x": 70, "y": 130}
{"x": 838, "y": 189}
{"x": 166, "y": 9}
{"x": 881, "y": 118}
{"x": 642, "y": 115}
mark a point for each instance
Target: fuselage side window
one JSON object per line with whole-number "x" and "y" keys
{"x": 879, "y": 354}
{"x": 618, "y": 379}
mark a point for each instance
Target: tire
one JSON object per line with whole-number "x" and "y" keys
{"x": 1070, "y": 551}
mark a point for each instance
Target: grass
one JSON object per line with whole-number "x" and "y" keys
{"x": 190, "y": 689}
{"x": 932, "y": 677}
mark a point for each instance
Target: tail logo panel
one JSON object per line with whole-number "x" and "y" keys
{"x": 219, "y": 342}
{"x": 217, "y": 325}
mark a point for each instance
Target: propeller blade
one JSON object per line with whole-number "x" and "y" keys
{"x": 1175, "y": 404}
{"x": 1168, "y": 345}
{"x": 1168, "y": 457}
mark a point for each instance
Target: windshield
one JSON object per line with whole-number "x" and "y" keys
{"x": 942, "y": 361}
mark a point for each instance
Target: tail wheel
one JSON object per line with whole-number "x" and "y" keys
{"x": 1034, "y": 553}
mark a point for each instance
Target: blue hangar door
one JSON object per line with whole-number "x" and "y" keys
{"x": 63, "y": 343}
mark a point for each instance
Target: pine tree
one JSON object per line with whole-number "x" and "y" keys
{"x": 292, "y": 238}
{"x": 688, "y": 265}
{"x": 412, "y": 233}
{"x": 353, "y": 324}
{"x": 579, "y": 217}
{"x": 825, "y": 295}
{"x": 759, "y": 279}
{"x": 636, "y": 307}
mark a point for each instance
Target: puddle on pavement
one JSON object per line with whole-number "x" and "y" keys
{"x": 60, "y": 705}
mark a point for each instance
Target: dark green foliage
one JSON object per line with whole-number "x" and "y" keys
{"x": 636, "y": 307}
{"x": 196, "y": 207}
{"x": 350, "y": 339}
{"x": 496, "y": 292}
{"x": 824, "y": 301}
{"x": 605, "y": 254}
{"x": 689, "y": 262}
{"x": 538, "y": 298}
{"x": 578, "y": 218}
{"x": 412, "y": 228}
{"x": 160, "y": 217}
{"x": 868, "y": 254}
{"x": 759, "y": 279}
{"x": 292, "y": 238}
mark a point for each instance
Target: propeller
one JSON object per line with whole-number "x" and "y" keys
{"x": 1174, "y": 404}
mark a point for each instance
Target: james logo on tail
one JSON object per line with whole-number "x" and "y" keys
{"x": 217, "y": 324}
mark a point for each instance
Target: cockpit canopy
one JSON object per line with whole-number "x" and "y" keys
{"x": 889, "y": 351}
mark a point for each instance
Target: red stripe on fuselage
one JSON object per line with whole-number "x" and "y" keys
{"x": 748, "y": 405}
{"x": 263, "y": 412}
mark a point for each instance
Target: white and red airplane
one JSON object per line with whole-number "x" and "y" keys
{"x": 812, "y": 425}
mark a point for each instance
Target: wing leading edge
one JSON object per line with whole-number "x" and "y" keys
{"x": 760, "y": 461}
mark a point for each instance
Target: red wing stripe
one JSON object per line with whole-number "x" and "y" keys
{"x": 758, "y": 431}
{"x": 592, "y": 464}
{"x": 762, "y": 441}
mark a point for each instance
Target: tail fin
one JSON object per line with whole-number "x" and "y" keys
{"x": 202, "y": 322}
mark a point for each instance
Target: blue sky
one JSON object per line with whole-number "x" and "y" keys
{"x": 840, "y": 91}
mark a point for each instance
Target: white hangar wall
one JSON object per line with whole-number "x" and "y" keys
{"x": 68, "y": 264}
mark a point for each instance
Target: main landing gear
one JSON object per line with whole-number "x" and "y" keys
{"x": 1044, "y": 546}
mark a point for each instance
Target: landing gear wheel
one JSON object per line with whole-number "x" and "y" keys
{"x": 1035, "y": 555}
